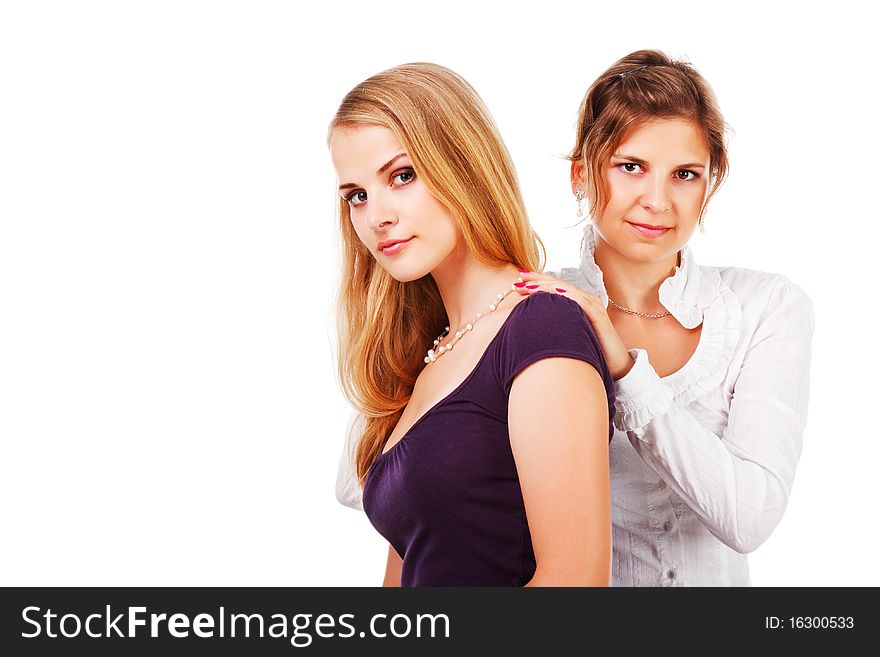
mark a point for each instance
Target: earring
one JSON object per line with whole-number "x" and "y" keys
{"x": 579, "y": 197}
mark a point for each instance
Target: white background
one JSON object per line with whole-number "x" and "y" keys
{"x": 169, "y": 413}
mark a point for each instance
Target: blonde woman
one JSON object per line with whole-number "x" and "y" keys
{"x": 483, "y": 452}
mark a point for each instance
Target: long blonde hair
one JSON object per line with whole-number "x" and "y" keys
{"x": 385, "y": 326}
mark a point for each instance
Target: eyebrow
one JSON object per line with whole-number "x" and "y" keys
{"x": 638, "y": 160}
{"x": 380, "y": 171}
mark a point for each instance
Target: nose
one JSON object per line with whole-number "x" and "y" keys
{"x": 380, "y": 214}
{"x": 655, "y": 196}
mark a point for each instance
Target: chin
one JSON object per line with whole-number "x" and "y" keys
{"x": 645, "y": 252}
{"x": 404, "y": 273}
{"x": 406, "y": 277}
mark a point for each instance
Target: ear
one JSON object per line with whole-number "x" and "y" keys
{"x": 578, "y": 177}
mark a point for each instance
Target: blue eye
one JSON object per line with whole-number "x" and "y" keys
{"x": 356, "y": 198}
{"x": 403, "y": 177}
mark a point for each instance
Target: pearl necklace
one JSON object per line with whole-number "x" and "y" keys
{"x": 635, "y": 312}
{"x": 464, "y": 330}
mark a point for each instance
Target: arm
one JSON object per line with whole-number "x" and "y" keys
{"x": 348, "y": 489}
{"x": 738, "y": 482}
{"x": 392, "y": 568}
{"x": 558, "y": 423}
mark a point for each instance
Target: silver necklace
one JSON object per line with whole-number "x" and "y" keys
{"x": 636, "y": 312}
{"x": 462, "y": 331}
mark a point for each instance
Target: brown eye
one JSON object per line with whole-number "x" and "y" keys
{"x": 685, "y": 174}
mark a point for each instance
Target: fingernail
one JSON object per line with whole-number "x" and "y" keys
{"x": 523, "y": 271}
{"x": 532, "y": 287}
{"x": 518, "y": 284}
{"x": 559, "y": 289}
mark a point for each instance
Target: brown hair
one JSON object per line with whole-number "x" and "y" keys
{"x": 384, "y": 326}
{"x": 642, "y": 86}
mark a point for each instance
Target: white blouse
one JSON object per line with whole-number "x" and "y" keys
{"x": 702, "y": 460}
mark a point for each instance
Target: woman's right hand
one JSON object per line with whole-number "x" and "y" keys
{"x": 616, "y": 355}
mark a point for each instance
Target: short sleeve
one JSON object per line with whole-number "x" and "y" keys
{"x": 548, "y": 325}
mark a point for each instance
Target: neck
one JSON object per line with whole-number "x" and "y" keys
{"x": 468, "y": 286}
{"x": 631, "y": 284}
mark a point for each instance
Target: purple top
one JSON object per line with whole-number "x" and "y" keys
{"x": 447, "y": 495}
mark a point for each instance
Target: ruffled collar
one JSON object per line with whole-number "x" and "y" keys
{"x": 685, "y": 294}
{"x": 693, "y": 295}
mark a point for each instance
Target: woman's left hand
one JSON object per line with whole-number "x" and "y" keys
{"x": 618, "y": 358}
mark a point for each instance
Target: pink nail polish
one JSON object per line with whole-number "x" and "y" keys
{"x": 532, "y": 287}
{"x": 559, "y": 289}
{"x": 518, "y": 284}
{"x": 523, "y": 271}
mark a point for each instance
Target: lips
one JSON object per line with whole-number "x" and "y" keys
{"x": 389, "y": 247}
{"x": 647, "y": 230}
